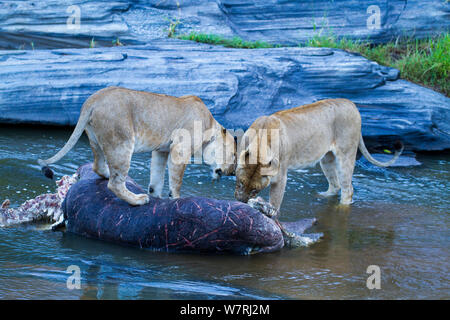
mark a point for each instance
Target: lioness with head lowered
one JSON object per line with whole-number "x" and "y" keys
{"x": 120, "y": 122}
{"x": 328, "y": 131}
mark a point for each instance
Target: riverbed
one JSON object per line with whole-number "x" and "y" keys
{"x": 399, "y": 222}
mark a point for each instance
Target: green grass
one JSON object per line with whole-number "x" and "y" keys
{"x": 425, "y": 61}
{"x": 234, "y": 42}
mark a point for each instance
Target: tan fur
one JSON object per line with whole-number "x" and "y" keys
{"x": 120, "y": 122}
{"x": 328, "y": 131}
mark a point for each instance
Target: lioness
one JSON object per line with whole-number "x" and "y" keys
{"x": 328, "y": 131}
{"x": 119, "y": 122}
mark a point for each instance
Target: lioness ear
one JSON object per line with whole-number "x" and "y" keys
{"x": 274, "y": 163}
{"x": 272, "y": 169}
{"x": 243, "y": 157}
{"x": 272, "y": 166}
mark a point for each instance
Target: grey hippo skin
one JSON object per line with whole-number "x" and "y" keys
{"x": 193, "y": 224}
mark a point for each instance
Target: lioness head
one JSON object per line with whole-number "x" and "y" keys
{"x": 220, "y": 153}
{"x": 252, "y": 178}
{"x": 257, "y": 164}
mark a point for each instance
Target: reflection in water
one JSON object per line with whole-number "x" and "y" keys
{"x": 399, "y": 221}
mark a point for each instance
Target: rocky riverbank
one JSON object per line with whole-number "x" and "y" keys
{"x": 238, "y": 85}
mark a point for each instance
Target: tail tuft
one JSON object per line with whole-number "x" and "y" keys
{"x": 47, "y": 172}
{"x": 398, "y": 145}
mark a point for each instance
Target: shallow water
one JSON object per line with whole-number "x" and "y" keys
{"x": 399, "y": 221}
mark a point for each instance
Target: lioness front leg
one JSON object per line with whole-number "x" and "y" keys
{"x": 157, "y": 173}
{"x": 176, "y": 172}
{"x": 118, "y": 168}
{"x": 277, "y": 188}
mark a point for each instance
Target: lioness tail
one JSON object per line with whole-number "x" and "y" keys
{"x": 362, "y": 147}
{"x": 76, "y": 134}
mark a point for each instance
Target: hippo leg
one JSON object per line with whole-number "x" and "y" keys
{"x": 60, "y": 224}
{"x": 328, "y": 165}
{"x": 157, "y": 172}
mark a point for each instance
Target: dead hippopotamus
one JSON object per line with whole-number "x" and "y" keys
{"x": 186, "y": 224}
{"x": 85, "y": 205}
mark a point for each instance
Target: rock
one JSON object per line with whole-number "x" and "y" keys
{"x": 52, "y": 24}
{"x": 292, "y": 22}
{"x": 237, "y": 85}
{"x": 49, "y": 24}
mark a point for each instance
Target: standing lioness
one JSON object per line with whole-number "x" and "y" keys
{"x": 121, "y": 121}
{"x": 328, "y": 131}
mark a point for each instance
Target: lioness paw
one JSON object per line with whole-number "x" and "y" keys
{"x": 141, "y": 199}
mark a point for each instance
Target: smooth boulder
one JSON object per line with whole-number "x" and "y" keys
{"x": 237, "y": 85}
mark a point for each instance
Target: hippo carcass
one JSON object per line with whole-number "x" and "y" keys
{"x": 186, "y": 224}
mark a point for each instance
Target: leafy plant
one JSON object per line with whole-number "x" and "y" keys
{"x": 173, "y": 24}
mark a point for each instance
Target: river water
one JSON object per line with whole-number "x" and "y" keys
{"x": 399, "y": 222}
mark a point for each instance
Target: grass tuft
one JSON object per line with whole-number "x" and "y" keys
{"x": 234, "y": 42}
{"x": 117, "y": 43}
{"x": 173, "y": 24}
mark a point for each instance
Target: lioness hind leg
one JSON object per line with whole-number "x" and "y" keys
{"x": 157, "y": 173}
{"x": 328, "y": 165}
{"x": 119, "y": 164}
{"x": 345, "y": 167}
{"x": 100, "y": 166}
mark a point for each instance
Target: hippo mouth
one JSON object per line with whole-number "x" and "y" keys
{"x": 258, "y": 249}
{"x": 293, "y": 232}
